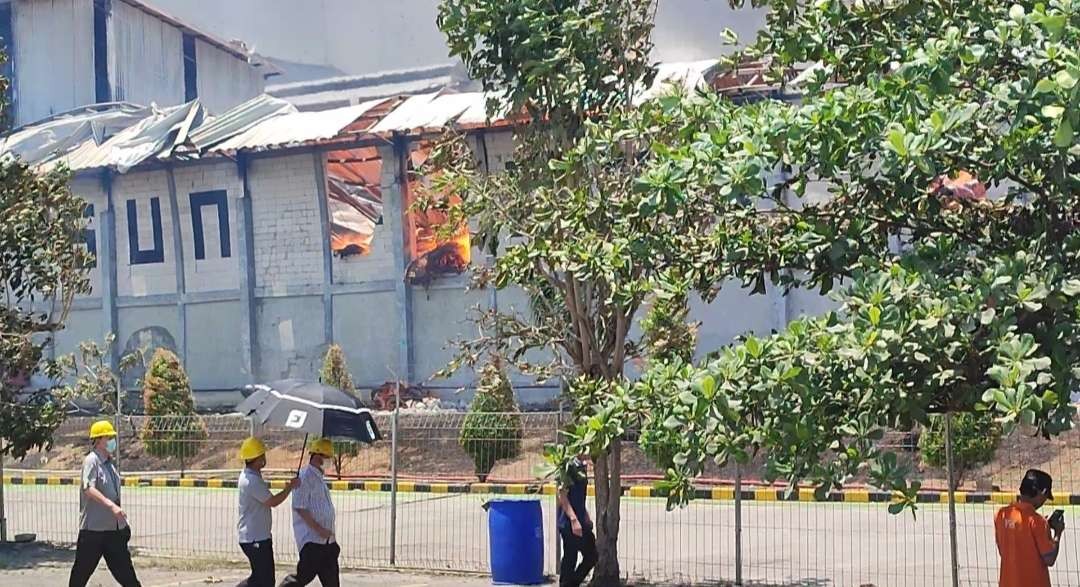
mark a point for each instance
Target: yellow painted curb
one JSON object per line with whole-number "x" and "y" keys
{"x": 640, "y": 491}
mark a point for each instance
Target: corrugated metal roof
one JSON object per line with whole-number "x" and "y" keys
{"x": 295, "y": 128}
{"x": 121, "y": 136}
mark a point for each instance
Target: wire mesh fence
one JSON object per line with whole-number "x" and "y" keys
{"x": 415, "y": 500}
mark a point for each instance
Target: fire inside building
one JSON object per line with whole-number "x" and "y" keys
{"x": 250, "y": 241}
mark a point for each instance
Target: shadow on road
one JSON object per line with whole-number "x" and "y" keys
{"x": 815, "y": 582}
{"x": 34, "y": 554}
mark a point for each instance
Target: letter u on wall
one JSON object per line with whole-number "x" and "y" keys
{"x": 139, "y": 256}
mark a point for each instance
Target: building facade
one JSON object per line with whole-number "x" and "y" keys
{"x": 250, "y": 242}
{"x": 65, "y": 54}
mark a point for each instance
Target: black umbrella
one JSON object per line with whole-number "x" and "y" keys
{"x": 309, "y": 407}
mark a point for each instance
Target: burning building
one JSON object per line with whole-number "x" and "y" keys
{"x": 249, "y": 241}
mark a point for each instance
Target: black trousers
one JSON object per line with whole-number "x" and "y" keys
{"x": 260, "y": 556}
{"x": 113, "y": 545}
{"x": 316, "y": 560}
{"x": 572, "y": 574}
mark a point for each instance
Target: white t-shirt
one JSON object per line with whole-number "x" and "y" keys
{"x": 314, "y": 496}
{"x": 255, "y": 518}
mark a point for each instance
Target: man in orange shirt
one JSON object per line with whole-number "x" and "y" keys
{"x": 1027, "y": 543}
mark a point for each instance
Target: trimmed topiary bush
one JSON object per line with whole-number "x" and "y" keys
{"x": 173, "y": 429}
{"x": 492, "y": 429}
{"x": 335, "y": 372}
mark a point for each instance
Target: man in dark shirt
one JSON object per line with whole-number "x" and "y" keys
{"x": 576, "y": 527}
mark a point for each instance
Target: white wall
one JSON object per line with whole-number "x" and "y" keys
{"x": 146, "y": 58}
{"x": 147, "y": 278}
{"x": 214, "y": 272}
{"x": 285, "y": 210}
{"x": 54, "y": 57}
{"x": 90, "y": 189}
{"x": 223, "y": 80}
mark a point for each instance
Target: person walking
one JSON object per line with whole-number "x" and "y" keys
{"x": 1027, "y": 543}
{"x": 313, "y": 523}
{"x": 256, "y": 501}
{"x": 103, "y": 525}
{"x": 576, "y": 527}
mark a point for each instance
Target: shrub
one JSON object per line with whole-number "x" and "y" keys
{"x": 975, "y": 438}
{"x": 173, "y": 428}
{"x": 335, "y": 372}
{"x": 492, "y": 429}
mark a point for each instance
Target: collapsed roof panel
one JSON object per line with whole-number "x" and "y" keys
{"x": 120, "y": 136}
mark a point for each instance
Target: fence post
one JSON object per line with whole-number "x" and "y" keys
{"x": 738, "y": 524}
{"x": 116, "y": 421}
{"x": 555, "y": 518}
{"x": 954, "y": 559}
{"x": 3, "y": 512}
{"x": 393, "y": 473}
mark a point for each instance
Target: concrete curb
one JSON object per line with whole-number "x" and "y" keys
{"x": 635, "y": 491}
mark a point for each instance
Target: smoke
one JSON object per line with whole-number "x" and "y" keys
{"x": 366, "y": 36}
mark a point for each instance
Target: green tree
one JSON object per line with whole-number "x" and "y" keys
{"x": 954, "y": 301}
{"x": 575, "y": 222}
{"x": 173, "y": 428}
{"x": 335, "y": 372}
{"x": 492, "y": 429}
{"x": 43, "y": 267}
{"x": 975, "y": 438}
{"x": 94, "y": 377}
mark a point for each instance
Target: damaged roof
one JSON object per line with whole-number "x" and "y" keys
{"x": 121, "y": 136}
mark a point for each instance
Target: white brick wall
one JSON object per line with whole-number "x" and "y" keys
{"x": 90, "y": 189}
{"x": 213, "y": 273}
{"x": 288, "y": 238}
{"x": 153, "y": 278}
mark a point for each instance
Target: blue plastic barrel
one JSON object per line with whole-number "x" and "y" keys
{"x": 516, "y": 535}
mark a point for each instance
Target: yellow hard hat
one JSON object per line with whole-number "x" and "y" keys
{"x": 102, "y": 428}
{"x": 322, "y": 447}
{"x": 251, "y": 449}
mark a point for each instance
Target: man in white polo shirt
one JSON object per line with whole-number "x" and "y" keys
{"x": 313, "y": 523}
{"x": 255, "y": 501}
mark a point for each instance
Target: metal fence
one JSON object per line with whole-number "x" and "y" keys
{"x": 414, "y": 500}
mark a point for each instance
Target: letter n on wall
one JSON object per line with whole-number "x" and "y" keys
{"x": 218, "y": 199}
{"x": 89, "y": 236}
{"x": 137, "y": 255}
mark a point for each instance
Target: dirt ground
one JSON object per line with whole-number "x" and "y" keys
{"x": 429, "y": 451}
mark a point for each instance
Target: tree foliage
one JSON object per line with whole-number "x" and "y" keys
{"x": 335, "y": 372}
{"x": 492, "y": 429}
{"x": 955, "y": 301}
{"x": 573, "y": 222}
{"x": 94, "y": 376}
{"x": 173, "y": 429}
{"x": 43, "y": 266}
{"x": 975, "y": 437}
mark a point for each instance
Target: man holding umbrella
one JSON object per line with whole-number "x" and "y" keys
{"x": 313, "y": 523}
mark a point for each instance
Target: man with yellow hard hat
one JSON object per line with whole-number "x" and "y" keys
{"x": 103, "y": 526}
{"x": 313, "y": 523}
{"x": 255, "y": 520}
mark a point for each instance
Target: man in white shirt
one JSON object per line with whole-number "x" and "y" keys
{"x": 254, "y": 526}
{"x": 313, "y": 523}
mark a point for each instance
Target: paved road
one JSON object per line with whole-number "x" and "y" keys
{"x": 786, "y": 543}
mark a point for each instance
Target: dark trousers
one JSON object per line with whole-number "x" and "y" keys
{"x": 572, "y": 574}
{"x": 113, "y": 545}
{"x": 260, "y": 556}
{"x": 316, "y": 560}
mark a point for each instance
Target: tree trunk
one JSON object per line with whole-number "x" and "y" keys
{"x": 608, "y": 500}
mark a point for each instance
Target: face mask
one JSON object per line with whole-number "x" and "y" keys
{"x": 110, "y": 445}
